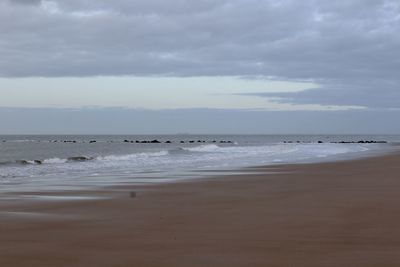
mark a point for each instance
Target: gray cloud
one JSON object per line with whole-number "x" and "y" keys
{"x": 373, "y": 93}
{"x": 25, "y": 2}
{"x": 351, "y": 47}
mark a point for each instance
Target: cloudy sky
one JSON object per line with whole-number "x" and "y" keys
{"x": 205, "y": 66}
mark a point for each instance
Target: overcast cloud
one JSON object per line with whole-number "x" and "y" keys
{"x": 350, "y": 47}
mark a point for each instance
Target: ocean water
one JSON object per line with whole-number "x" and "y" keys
{"x": 73, "y": 162}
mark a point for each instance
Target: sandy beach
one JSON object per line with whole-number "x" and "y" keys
{"x": 329, "y": 214}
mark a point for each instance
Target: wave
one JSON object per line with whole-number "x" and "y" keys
{"x": 20, "y": 140}
{"x": 201, "y": 154}
{"x": 187, "y": 150}
{"x": 21, "y": 162}
{"x": 203, "y": 148}
{"x": 24, "y": 162}
{"x": 132, "y": 156}
{"x": 55, "y": 161}
{"x": 178, "y": 151}
{"x": 79, "y": 159}
{"x": 109, "y": 158}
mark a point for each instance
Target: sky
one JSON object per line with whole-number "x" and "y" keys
{"x": 206, "y": 66}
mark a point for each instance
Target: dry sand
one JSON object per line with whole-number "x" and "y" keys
{"x": 330, "y": 214}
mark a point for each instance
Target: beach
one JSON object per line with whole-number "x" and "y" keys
{"x": 343, "y": 213}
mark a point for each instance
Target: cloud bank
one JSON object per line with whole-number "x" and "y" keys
{"x": 350, "y": 47}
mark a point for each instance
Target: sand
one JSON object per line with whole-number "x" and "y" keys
{"x": 330, "y": 214}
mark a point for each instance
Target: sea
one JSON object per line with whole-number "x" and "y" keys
{"x": 78, "y": 162}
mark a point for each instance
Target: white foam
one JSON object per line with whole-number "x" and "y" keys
{"x": 132, "y": 156}
{"x": 203, "y": 148}
{"x": 55, "y": 161}
{"x": 195, "y": 157}
{"x": 20, "y": 140}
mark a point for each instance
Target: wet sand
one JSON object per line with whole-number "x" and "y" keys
{"x": 330, "y": 214}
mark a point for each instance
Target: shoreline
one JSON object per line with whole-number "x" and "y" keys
{"x": 340, "y": 213}
{"x": 155, "y": 178}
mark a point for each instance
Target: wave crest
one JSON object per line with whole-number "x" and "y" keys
{"x": 203, "y": 148}
{"x": 132, "y": 156}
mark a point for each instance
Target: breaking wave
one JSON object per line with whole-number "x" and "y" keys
{"x": 176, "y": 159}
